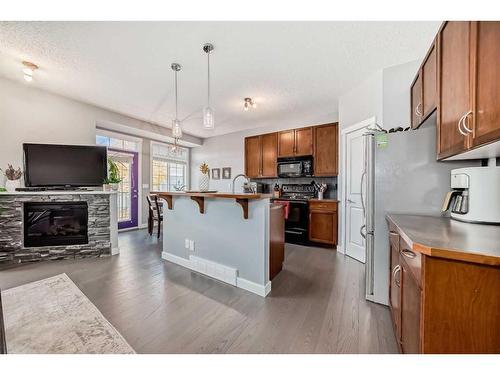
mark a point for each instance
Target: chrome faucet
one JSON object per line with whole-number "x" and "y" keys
{"x": 236, "y": 177}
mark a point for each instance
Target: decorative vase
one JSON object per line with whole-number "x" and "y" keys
{"x": 114, "y": 186}
{"x": 11, "y": 185}
{"x": 204, "y": 182}
{"x": 320, "y": 195}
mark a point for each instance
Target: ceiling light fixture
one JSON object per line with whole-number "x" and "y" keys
{"x": 28, "y": 70}
{"x": 249, "y": 103}
{"x": 208, "y": 112}
{"x": 176, "y": 124}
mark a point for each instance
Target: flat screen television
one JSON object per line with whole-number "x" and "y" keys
{"x": 64, "y": 165}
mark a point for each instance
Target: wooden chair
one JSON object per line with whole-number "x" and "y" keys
{"x": 3, "y": 344}
{"x": 155, "y": 213}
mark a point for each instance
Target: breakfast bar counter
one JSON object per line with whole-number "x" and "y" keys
{"x": 223, "y": 235}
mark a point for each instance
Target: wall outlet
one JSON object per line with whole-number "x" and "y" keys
{"x": 186, "y": 243}
{"x": 191, "y": 245}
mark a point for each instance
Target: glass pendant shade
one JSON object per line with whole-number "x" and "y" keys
{"x": 208, "y": 118}
{"x": 176, "y": 129}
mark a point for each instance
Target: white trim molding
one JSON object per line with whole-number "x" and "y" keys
{"x": 261, "y": 290}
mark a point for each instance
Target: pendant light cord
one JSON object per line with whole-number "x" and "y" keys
{"x": 176, "y": 94}
{"x": 208, "y": 90}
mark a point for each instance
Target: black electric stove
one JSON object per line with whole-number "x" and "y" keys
{"x": 297, "y": 223}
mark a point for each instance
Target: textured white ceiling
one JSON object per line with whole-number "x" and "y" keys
{"x": 295, "y": 71}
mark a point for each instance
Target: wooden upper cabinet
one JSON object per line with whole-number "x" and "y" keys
{"x": 286, "y": 143}
{"x": 454, "y": 87}
{"x": 269, "y": 150}
{"x": 416, "y": 102}
{"x": 326, "y": 150}
{"x": 261, "y": 155}
{"x": 485, "y": 116}
{"x": 429, "y": 82}
{"x": 253, "y": 157}
{"x": 304, "y": 141}
{"x": 296, "y": 142}
{"x": 410, "y": 311}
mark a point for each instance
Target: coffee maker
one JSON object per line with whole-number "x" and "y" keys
{"x": 475, "y": 194}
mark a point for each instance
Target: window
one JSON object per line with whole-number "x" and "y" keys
{"x": 116, "y": 143}
{"x": 169, "y": 167}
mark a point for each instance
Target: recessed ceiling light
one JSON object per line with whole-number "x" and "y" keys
{"x": 28, "y": 70}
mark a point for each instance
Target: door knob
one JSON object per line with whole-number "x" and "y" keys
{"x": 350, "y": 201}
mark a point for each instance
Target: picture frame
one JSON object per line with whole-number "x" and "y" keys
{"x": 226, "y": 173}
{"x": 215, "y": 173}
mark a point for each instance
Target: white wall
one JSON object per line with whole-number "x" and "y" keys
{"x": 229, "y": 151}
{"x": 362, "y": 101}
{"x": 28, "y": 114}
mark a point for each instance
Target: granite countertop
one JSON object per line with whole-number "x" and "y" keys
{"x": 447, "y": 238}
{"x": 213, "y": 195}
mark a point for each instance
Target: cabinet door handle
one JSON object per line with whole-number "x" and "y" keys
{"x": 459, "y": 125}
{"x": 417, "y": 110}
{"x": 466, "y": 118}
{"x": 408, "y": 253}
{"x": 395, "y": 271}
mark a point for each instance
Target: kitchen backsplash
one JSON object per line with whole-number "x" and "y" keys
{"x": 330, "y": 193}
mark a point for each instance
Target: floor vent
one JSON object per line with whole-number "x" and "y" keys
{"x": 214, "y": 270}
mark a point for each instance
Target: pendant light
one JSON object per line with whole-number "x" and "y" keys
{"x": 176, "y": 124}
{"x": 208, "y": 112}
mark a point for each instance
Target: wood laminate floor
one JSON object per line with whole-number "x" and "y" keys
{"x": 316, "y": 305}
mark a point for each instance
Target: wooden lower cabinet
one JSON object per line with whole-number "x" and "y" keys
{"x": 323, "y": 222}
{"x": 410, "y": 311}
{"x": 442, "y": 306}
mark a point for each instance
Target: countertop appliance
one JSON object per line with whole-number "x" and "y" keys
{"x": 297, "y": 223}
{"x": 475, "y": 194}
{"x": 253, "y": 187}
{"x": 401, "y": 175}
{"x": 295, "y": 167}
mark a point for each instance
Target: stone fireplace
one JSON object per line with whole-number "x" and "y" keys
{"x": 39, "y": 226}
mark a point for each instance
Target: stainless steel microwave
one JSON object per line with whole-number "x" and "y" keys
{"x": 295, "y": 167}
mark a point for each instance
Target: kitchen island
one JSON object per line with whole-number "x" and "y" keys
{"x": 225, "y": 236}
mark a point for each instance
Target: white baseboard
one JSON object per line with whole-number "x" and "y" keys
{"x": 115, "y": 250}
{"x": 261, "y": 290}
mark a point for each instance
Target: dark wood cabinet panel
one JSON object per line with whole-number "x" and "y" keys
{"x": 454, "y": 87}
{"x": 429, "y": 82}
{"x": 416, "y": 102}
{"x": 485, "y": 118}
{"x": 326, "y": 150}
{"x": 395, "y": 284}
{"x": 323, "y": 222}
{"x": 304, "y": 141}
{"x": 286, "y": 143}
{"x": 277, "y": 240}
{"x": 253, "y": 156}
{"x": 410, "y": 311}
{"x": 269, "y": 144}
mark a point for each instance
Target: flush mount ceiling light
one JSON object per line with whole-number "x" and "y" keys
{"x": 28, "y": 70}
{"x": 208, "y": 112}
{"x": 176, "y": 124}
{"x": 249, "y": 103}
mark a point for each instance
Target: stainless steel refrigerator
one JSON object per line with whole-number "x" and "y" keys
{"x": 401, "y": 175}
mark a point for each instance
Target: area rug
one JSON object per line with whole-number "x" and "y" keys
{"x": 54, "y": 316}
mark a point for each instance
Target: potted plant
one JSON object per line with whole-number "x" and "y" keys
{"x": 111, "y": 182}
{"x": 13, "y": 178}
{"x": 204, "y": 180}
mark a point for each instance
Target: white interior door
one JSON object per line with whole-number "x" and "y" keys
{"x": 355, "y": 245}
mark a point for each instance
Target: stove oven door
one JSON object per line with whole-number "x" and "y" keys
{"x": 297, "y": 224}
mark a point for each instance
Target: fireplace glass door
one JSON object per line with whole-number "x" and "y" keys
{"x": 55, "y": 223}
